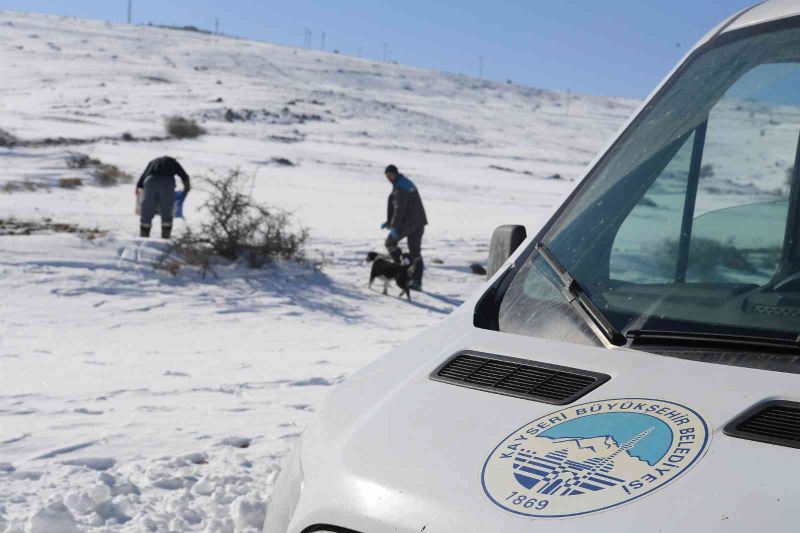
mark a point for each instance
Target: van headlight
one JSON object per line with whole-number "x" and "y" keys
{"x": 286, "y": 494}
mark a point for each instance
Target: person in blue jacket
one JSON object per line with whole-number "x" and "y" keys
{"x": 405, "y": 219}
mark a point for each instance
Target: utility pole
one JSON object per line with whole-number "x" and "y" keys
{"x": 569, "y": 99}
{"x": 359, "y": 51}
{"x": 322, "y": 47}
{"x": 216, "y": 25}
{"x": 385, "y": 51}
{"x": 480, "y": 68}
{"x": 130, "y": 11}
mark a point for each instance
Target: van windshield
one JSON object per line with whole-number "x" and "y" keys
{"x": 690, "y": 223}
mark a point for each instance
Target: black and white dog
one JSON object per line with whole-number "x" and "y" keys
{"x": 386, "y": 270}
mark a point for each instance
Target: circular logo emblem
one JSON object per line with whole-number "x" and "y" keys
{"x": 593, "y": 456}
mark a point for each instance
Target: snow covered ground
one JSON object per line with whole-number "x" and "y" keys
{"x": 132, "y": 400}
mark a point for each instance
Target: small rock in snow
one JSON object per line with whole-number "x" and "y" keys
{"x": 196, "y": 458}
{"x": 85, "y": 411}
{"x": 311, "y": 382}
{"x": 6, "y": 467}
{"x": 237, "y": 442}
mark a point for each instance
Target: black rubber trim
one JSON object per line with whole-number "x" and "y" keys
{"x": 326, "y": 527}
{"x": 598, "y": 378}
{"x": 734, "y": 428}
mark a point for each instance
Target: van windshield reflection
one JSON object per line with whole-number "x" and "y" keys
{"x": 690, "y": 223}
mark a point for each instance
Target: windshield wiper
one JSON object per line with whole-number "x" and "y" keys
{"x": 576, "y": 295}
{"x": 721, "y": 340}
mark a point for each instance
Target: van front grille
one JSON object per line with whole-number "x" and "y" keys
{"x": 518, "y": 377}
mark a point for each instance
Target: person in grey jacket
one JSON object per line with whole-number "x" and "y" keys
{"x": 158, "y": 184}
{"x": 405, "y": 219}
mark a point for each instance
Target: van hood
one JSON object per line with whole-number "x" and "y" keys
{"x": 394, "y": 450}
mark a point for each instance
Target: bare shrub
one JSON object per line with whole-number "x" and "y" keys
{"x": 21, "y": 186}
{"x": 707, "y": 171}
{"x": 76, "y": 160}
{"x": 282, "y": 161}
{"x": 16, "y": 227}
{"x": 107, "y": 175}
{"x": 6, "y": 139}
{"x": 477, "y": 269}
{"x": 183, "y": 128}
{"x": 708, "y": 258}
{"x": 156, "y": 79}
{"x": 70, "y": 183}
{"x": 104, "y": 174}
{"x": 238, "y": 228}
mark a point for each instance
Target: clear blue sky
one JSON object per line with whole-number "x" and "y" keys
{"x": 615, "y": 47}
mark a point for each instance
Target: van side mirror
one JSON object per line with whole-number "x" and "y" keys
{"x": 505, "y": 240}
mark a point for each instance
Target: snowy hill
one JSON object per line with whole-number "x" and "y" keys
{"x": 132, "y": 400}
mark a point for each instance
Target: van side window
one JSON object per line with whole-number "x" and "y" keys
{"x": 641, "y": 251}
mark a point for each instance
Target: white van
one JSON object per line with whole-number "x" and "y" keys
{"x": 631, "y": 367}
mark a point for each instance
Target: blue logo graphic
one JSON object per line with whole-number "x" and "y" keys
{"x": 594, "y": 456}
{"x": 607, "y": 436}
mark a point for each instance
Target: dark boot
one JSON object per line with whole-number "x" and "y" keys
{"x": 144, "y": 231}
{"x": 417, "y": 269}
{"x": 166, "y": 231}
